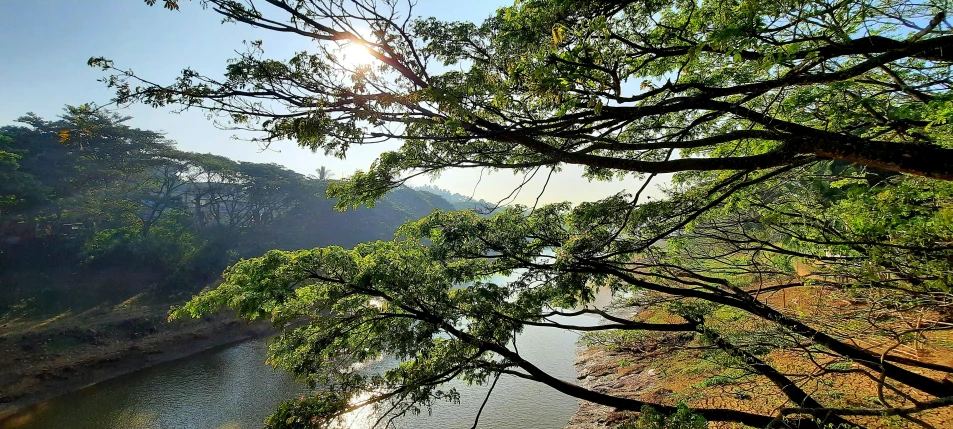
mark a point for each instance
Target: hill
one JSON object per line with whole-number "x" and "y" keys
{"x": 460, "y": 202}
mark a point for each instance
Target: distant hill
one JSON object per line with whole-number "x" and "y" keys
{"x": 459, "y": 202}
{"x": 316, "y": 223}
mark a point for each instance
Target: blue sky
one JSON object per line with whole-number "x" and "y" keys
{"x": 44, "y": 46}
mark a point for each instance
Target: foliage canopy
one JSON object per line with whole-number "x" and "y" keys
{"x": 809, "y": 134}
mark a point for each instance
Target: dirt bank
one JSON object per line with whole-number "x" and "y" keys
{"x": 611, "y": 371}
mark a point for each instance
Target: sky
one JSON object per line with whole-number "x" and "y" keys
{"x": 45, "y": 44}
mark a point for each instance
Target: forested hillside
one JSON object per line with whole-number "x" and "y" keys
{"x": 96, "y": 211}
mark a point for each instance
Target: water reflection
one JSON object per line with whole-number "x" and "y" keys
{"x": 229, "y": 388}
{"x": 515, "y": 403}
{"x": 233, "y": 388}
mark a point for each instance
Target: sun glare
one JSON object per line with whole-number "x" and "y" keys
{"x": 355, "y": 54}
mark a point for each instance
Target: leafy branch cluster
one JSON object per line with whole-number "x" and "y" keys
{"x": 810, "y": 146}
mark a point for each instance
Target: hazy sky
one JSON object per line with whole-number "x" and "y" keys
{"x": 44, "y": 46}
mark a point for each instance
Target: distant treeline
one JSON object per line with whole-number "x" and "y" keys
{"x": 86, "y": 192}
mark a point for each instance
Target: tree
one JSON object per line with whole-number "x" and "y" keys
{"x": 324, "y": 173}
{"x": 162, "y": 187}
{"x": 802, "y": 133}
{"x": 83, "y": 156}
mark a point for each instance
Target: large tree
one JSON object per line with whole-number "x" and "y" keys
{"x": 809, "y": 134}
{"x": 69, "y": 167}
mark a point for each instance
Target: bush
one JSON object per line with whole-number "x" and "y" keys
{"x": 683, "y": 418}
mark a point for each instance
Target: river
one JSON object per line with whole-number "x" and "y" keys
{"x": 233, "y": 388}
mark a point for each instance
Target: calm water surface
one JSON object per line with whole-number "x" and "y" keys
{"x": 233, "y": 388}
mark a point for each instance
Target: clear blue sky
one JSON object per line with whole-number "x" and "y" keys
{"x": 44, "y": 46}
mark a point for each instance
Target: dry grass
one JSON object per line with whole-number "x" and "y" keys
{"x": 694, "y": 375}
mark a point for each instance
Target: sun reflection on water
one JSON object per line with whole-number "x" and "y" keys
{"x": 361, "y": 418}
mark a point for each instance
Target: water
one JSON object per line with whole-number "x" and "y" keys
{"x": 228, "y": 388}
{"x": 233, "y": 388}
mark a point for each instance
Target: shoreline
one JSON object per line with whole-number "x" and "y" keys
{"x": 597, "y": 368}
{"x": 28, "y": 385}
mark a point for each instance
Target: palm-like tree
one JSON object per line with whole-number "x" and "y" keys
{"x": 323, "y": 173}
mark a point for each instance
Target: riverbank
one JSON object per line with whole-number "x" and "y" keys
{"x": 672, "y": 368}
{"x": 610, "y": 371}
{"x": 599, "y": 370}
{"x": 40, "y": 360}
